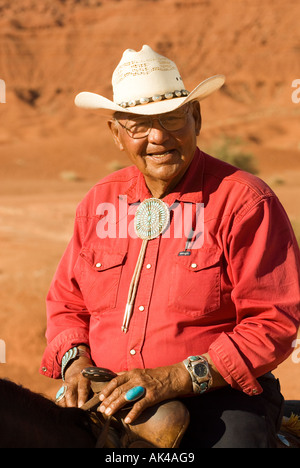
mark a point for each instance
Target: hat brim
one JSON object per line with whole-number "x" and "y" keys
{"x": 104, "y": 106}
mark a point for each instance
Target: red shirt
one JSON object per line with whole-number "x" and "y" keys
{"x": 235, "y": 296}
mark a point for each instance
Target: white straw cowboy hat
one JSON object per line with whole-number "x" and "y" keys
{"x": 147, "y": 83}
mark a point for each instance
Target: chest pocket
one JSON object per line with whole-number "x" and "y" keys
{"x": 195, "y": 282}
{"x": 100, "y": 273}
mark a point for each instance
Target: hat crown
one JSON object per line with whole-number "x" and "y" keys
{"x": 144, "y": 74}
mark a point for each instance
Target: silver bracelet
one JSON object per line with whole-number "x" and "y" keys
{"x": 73, "y": 353}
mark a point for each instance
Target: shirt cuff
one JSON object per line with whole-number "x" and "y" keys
{"x": 51, "y": 361}
{"x": 232, "y": 367}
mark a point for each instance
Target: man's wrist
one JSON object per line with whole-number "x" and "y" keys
{"x": 200, "y": 373}
{"x": 72, "y": 355}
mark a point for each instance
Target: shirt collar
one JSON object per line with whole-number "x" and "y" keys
{"x": 189, "y": 189}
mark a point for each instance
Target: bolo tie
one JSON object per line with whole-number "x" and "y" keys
{"x": 151, "y": 219}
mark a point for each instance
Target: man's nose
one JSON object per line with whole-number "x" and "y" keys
{"x": 157, "y": 133}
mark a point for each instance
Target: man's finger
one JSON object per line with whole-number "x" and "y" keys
{"x": 83, "y": 391}
{"x": 108, "y": 389}
{"x": 71, "y": 396}
{"x": 136, "y": 410}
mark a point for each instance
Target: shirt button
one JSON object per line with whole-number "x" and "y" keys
{"x": 44, "y": 369}
{"x": 98, "y": 265}
{"x": 132, "y": 352}
{"x": 148, "y": 266}
{"x": 141, "y": 308}
{"x": 254, "y": 391}
{"x": 194, "y": 265}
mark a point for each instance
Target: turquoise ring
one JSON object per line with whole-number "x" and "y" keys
{"x": 135, "y": 393}
{"x": 61, "y": 393}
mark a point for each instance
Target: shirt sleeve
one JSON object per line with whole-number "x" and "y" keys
{"x": 263, "y": 259}
{"x": 67, "y": 317}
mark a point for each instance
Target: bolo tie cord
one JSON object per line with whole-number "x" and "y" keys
{"x": 133, "y": 286}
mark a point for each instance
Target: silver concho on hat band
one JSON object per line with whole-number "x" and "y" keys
{"x": 157, "y": 97}
{"x": 151, "y": 219}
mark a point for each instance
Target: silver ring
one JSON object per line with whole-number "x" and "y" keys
{"x": 61, "y": 393}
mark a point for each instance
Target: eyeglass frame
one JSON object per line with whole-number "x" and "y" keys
{"x": 153, "y": 118}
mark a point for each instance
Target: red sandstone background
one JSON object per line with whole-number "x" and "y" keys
{"x": 51, "y": 153}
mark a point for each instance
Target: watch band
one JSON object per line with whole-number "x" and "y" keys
{"x": 201, "y": 384}
{"x": 72, "y": 354}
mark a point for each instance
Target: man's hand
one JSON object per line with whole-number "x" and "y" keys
{"x": 78, "y": 387}
{"x": 162, "y": 383}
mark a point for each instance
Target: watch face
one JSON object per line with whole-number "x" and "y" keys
{"x": 200, "y": 370}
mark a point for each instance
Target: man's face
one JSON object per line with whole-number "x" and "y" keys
{"x": 162, "y": 155}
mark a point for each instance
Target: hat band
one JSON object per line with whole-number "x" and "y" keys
{"x": 155, "y": 98}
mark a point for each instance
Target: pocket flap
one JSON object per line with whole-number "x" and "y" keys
{"x": 199, "y": 258}
{"x": 101, "y": 260}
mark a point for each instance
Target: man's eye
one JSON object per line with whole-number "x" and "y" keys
{"x": 140, "y": 123}
{"x": 173, "y": 119}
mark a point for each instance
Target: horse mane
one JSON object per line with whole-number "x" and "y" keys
{"x": 28, "y": 419}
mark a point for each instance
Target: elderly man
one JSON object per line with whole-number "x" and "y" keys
{"x": 200, "y": 300}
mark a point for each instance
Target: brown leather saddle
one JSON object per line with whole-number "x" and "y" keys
{"x": 160, "y": 426}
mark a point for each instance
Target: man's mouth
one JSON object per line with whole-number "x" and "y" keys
{"x": 159, "y": 155}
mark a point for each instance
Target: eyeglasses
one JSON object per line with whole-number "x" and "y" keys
{"x": 140, "y": 127}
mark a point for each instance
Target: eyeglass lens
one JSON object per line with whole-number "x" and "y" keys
{"x": 141, "y": 126}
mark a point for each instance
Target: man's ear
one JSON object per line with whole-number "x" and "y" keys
{"x": 115, "y": 130}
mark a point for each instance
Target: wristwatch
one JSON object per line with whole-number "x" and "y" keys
{"x": 71, "y": 355}
{"x": 198, "y": 368}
